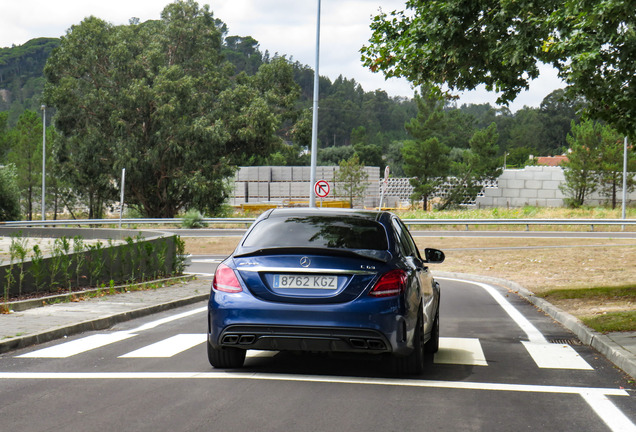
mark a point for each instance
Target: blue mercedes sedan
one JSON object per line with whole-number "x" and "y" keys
{"x": 326, "y": 280}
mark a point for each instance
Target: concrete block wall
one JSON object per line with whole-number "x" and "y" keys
{"x": 536, "y": 186}
{"x": 279, "y": 184}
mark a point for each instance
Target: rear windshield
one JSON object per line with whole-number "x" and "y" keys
{"x": 318, "y": 232}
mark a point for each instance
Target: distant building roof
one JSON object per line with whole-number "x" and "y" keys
{"x": 551, "y": 160}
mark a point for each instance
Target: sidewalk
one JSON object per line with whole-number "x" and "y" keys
{"x": 42, "y": 324}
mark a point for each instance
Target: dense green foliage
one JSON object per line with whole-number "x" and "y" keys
{"x": 9, "y": 194}
{"x": 179, "y": 116}
{"x": 158, "y": 99}
{"x": 26, "y": 156}
{"x": 462, "y": 44}
{"x": 352, "y": 179}
{"x": 21, "y": 76}
{"x": 595, "y": 163}
{"x": 431, "y": 159}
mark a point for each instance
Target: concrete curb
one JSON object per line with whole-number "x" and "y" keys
{"x": 95, "y": 324}
{"x": 614, "y": 352}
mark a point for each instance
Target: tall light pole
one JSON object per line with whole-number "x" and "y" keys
{"x": 314, "y": 123}
{"x": 624, "y": 178}
{"x": 43, "y": 160}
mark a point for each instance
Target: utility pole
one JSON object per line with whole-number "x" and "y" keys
{"x": 314, "y": 123}
{"x": 43, "y": 161}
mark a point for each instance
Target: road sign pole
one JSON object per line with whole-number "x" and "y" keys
{"x": 314, "y": 123}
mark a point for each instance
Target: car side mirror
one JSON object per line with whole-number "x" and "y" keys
{"x": 434, "y": 256}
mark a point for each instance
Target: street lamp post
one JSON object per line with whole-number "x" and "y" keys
{"x": 624, "y": 178}
{"x": 43, "y": 160}
{"x": 314, "y": 124}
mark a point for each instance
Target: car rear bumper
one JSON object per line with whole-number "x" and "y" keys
{"x": 370, "y": 325}
{"x": 294, "y": 338}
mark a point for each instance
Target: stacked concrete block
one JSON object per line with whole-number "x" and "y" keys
{"x": 538, "y": 186}
{"x": 284, "y": 184}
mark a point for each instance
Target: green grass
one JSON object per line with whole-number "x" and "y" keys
{"x": 527, "y": 212}
{"x": 608, "y": 321}
{"x": 612, "y": 322}
{"x": 625, "y": 292}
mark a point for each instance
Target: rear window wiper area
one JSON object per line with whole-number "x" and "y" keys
{"x": 377, "y": 255}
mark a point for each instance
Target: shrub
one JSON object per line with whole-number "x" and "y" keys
{"x": 193, "y": 219}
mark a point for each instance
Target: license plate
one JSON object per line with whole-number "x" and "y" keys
{"x": 306, "y": 281}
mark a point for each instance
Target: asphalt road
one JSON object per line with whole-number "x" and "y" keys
{"x": 498, "y": 369}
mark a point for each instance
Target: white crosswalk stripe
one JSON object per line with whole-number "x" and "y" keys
{"x": 168, "y": 347}
{"x": 78, "y": 346}
{"x": 461, "y": 351}
{"x": 452, "y": 351}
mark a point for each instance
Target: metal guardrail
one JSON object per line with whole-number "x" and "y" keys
{"x": 527, "y": 222}
{"x": 162, "y": 221}
{"x": 409, "y": 222}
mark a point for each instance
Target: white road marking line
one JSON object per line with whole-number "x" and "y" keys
{"x": 161, "y": 321}
{"x": 614, "y": 418}
{"x": 595, "y": 397}
{"x": 78, "y": 346}
{"x": 542, "y": 352}
{"x": 168, "y": 347}
{"x": 460, "y": 351}
{"x": 555, "y": 356}
{"x": 458, "y": 385}
{"x": 198, "y": 274}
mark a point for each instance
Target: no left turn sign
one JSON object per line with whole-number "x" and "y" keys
{"x": 322, "y": 188}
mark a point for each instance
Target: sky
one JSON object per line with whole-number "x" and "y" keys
{"x": 280, "y": 26}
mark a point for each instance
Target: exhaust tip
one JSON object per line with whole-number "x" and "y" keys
{"x": 358, "y": 343}
{"x": 247, "y": 339}
{"x": 230, "y": 339}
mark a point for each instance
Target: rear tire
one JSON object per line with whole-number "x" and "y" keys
{"x": 226, "y": 358}
{"x": 432, "y": 346}
{"x": 412, "y": 364}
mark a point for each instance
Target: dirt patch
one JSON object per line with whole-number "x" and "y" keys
{"x": 540, "y": 270}
{"x": 585, "y": 308}
{"x": 210, "y": 245}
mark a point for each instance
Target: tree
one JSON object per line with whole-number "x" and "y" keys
{"x": 585, "y": 140}
{"x": 427, "y": 163}
{"x": 477, "y": 164}
{"x": 334, "y": 155}
{"x": 158, "y": 99}
{"x": 9, "y": 194}
{"x": 4, "y": 140}
{"x": 26, "y": 155}
{"x": 352, "y": 178}
{"x": 431, "y": 120}
{"x": 369, "y": 154}
{"x": 610, "y": 166}
{"x": 462, "y": 44}
{"x": 558, "y": 112}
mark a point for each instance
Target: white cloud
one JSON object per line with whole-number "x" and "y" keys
{"x": 281, "y": 26}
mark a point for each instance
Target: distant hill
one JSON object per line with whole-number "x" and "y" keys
{"x": 21, "y": 75}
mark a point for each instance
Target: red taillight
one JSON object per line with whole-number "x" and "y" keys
{"x": 390, "y": 284}
{"x": 225, "y": 280}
